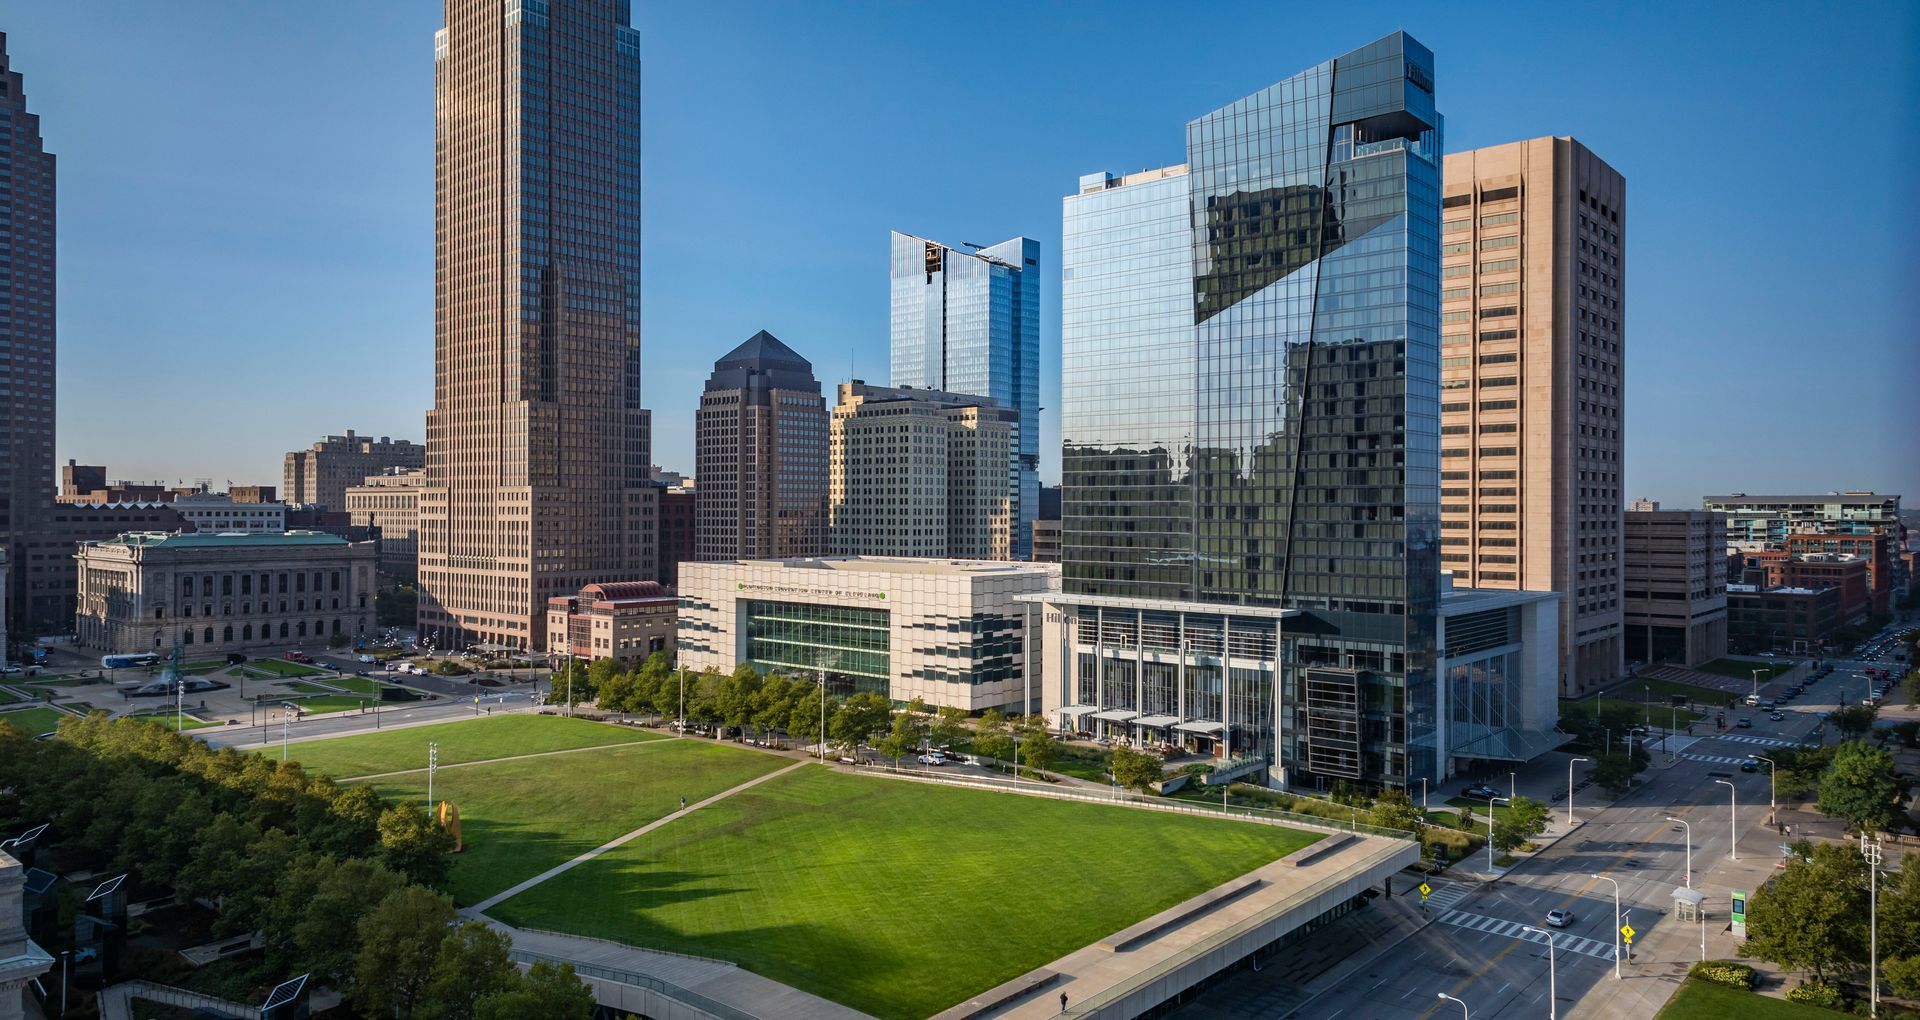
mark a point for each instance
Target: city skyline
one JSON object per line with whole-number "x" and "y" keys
{"x": 349, "y": 265}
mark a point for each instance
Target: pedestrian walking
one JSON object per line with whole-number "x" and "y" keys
{"x": 683, "y": 803}
{"x": 1063, "y": 1002}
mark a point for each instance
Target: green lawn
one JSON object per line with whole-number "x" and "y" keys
{"x": 1744, "y": 669}
{"x": 895, "y": 898}
{"x": 281, "y": 667}
{"x": 1702, "y": 1000}
{"x": 1663, "y": 689}
{"x": 1663, "y": 716}
{"x": 67, "y": 680}
{"x": 167, "y": 719}
{"x": 304, "y": 687}
{"x": 33, "y": 721}
{"x": 8, "y": 697}
{"x": 479, "y": 739}
{"x": 519, "y": 818}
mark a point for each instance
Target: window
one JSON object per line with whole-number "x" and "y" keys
{"x": 1455, "y": 226}
{"x": 1498, "y": 194}
{"x": 1496, "y": 243}
{"x": 1498, "y": 359}
{"x": 1457, "y": 293}
{"x": 1499, "y": 334}
{"x": 1498, "y": 219}
{"x": 1497, "y": 380}
{"x": 1489, "y": 289}
{"x": 1499, "y": 312}
{"x": 1457, "y": 247}
{"x": 1449, "y": 272}
{"x": 1500, "y": 266}
{"x": 1455, "y": 201}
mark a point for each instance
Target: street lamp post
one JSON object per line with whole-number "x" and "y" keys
{"x": 1772, "y": 805}
{"x": 1756, "y": 681}
{"x": 286, "y": 716}
{"x": 1423, "y": 793}
{"x": 1490, "y": 801}
{"x": 1570, "y": 765}
{"x": 1464, "y": 1015}
{"x": 1689, "y": 826}
{"x": 1616, "y": 922}
{"x": 1733, "y": 805}
{"x": 1553, "y": 980}
{"x": 1513, "y": 786}
{"x": 1872, "y": 853}
{"x": 433, "y": 765}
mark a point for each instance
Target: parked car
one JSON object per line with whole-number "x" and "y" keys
{"x": 1559, "y": 918}
{"x": 364, "y": 658}
{"x": 10, "y": 669}
{"x": 1481, "y": 790}
{"x": 932, "y": 759}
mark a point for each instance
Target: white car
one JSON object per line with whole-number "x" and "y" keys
{"x": 1559, "y": 918}
{"x": 933, "y": 759}
{"x": 366, "y": 658}
{"x": 10, "y": 669}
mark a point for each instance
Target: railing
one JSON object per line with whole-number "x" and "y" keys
{"x": 712, "y": 1007}
{"x": 116, "y": 1001}
{"x": 624, "y": 945}
{"x": 1145, "y": 976}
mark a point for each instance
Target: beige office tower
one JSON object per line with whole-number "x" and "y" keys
{"x": 922, "y": 473}
{"x": 537, "y": 447}
{"x": 1532, "y": 365}
{"x": 760, "y": 456}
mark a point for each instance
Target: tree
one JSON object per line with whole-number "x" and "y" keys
{"x": 949, "y": 727}
{"x": 599, "y": 673}
{"x": 1135, "y": 770}
{"x": 773, "y": 704}
{"x": 400, "y": 941}
{"x": 1812, "y": 916}
{"x": 1797, "y": 770}
{"x": 903, "y": 738}
{"x": 1524, "y": 819}
{"x": 472, "y": 964}
{"x": 546, "y": 992}
{"x": 320, "y": 899}
{"x": 991, "y": 738}
{"x": 703, "y": 696}
{"x": 1860, "y": 787}
{"x": 396, "y": 606}
{"x": 1037, "y": 749}
{"x": 735, "y": 701}
{"x": 415, "y": 845}
{"x": 624, "y": 693}
{"x": 917, "y": 705}
{"x": 859, "y": 718}
{"x": 1393, "y": 809}
{"x": 1900, "y": 910}
{"x": 803, "y": 720}
{"x": 1902, "y": 975}
{"x": 1614, "y": 773}
{"x": 1853, "y": 720}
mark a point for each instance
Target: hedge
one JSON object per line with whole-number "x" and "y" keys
{"x": 1724, "y": 972}
{"x": 1815, "y": 993}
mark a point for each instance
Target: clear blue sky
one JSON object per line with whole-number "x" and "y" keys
{"x": 246, "y": 199}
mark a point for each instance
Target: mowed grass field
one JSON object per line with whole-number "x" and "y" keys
{"x": 1702, "y": 1000}
{"x": 519, "y": 818}
{"x": 487, "y": 737}
{"x": 896, "y": 898}
{"x": 33, "y": 721}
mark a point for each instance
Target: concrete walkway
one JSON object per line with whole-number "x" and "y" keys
{"x": 511, "y": 757}
{"x": 492, "y": 901}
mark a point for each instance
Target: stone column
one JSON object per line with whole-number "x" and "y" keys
{"x": 21, "y": 960}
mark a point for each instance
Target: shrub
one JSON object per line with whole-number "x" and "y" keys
{"x": 1815, "y": 993}
{"x": 1724, "y": 972}
{"x": 1457, "y": 844}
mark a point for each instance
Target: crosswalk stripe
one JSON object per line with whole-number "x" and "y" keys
{"x": 1517, "y": 930}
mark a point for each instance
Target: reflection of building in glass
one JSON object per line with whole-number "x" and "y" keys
{"x": 969, "y": 322}
{"x": 1499, "y": 656}
{"x": 952, "y": 632}
{"x": 1250, "y": 431}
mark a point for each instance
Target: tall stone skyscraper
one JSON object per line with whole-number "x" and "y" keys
{"x": 969, "y": 322}
{"x": 26, "y": 339}
{"x": 1533, "y": 386}
{"x": 760, "y": 456}
{"x": 537, "y": 448}
{"x": 1249, "y": 383}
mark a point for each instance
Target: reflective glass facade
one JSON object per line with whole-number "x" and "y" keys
{"x": 1250, "y": 396}
{"x": 797, "y": 638}
{"x": 969, "y": 322}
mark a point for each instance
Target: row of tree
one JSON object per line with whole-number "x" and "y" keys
{"x": 774, "y": 704}
{"x": 1813, "y": 916}
{"x": 325, "y": 873}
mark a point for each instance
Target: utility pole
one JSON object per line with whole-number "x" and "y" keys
{"x": 570, "y": 685}
{"x": 433, "y": 765}
{"x": 286, "y": 716}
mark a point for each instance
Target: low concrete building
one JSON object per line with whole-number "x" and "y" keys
{"x": 223, "y": 593}
{"x": 1674, "y": 587}
{"x": 390, "y": 502}
{"x": 627, "y": 620}
{"x": 220, "y": 513}
{"x": 951, "y": 632}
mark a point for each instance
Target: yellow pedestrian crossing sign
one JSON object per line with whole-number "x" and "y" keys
{"x": 1425, "y": 890}
{"x": 1626, "y": 930}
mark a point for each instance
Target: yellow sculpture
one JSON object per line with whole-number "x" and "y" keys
{"x": 450, "y": 821}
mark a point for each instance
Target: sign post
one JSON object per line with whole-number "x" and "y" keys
{"x": 1740, "y": 913}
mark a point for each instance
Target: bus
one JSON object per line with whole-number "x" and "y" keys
{"x": 129, "y": 661}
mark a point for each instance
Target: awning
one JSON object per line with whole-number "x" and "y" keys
{"x": 1157, "y": 722}
{"x": 1115, "y": 715}
{"x": 1199, "y": 727}
{"x": 1076, "y": 711}
{"x": 1693, "y": 896}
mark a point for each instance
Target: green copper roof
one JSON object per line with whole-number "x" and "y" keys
{"x": 151, "y": 539}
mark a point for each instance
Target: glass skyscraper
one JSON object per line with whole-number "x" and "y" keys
{"x": 1250, "y": 429}
{"x": 969, "y": 322}
{"x": 26, "y": 364}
